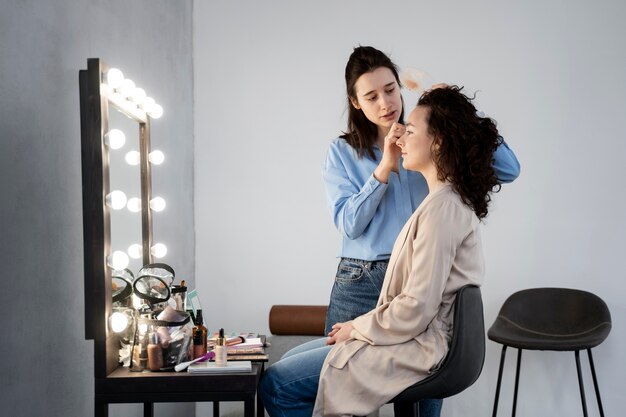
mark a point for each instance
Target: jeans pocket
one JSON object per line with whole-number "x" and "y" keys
{"x": 348, "y": 271}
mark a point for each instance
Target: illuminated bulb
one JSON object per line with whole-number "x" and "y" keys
{"x": 157, "y": 111}
{"x": 156, "y": 157}
{"x": 116, "y": 97}
{"x": 134, "y": 204}
{"x": 143, "y": 328}
{"x": 132, "y": 158}
{"x": 148, "y": 104}
{"x": 104, "y": 89}
{"x": 137, "y": 302}
{"x": 129, "y": 105}
{"x": 138, "y": 95}
{"x": 118, "y": 260}
{"x": 116, "y": 200}
{"x": 114, "y": 77}
{"x": 115, "y": 139}
{"x": 127, "y": 87}
{"x": 118, "y": 321}
{"x": 157, "y": 204}
{"x": 135, "y": 251}
{"x": 159, "y": 250}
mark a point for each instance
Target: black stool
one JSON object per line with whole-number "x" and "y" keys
{"x": 464, "y": 362}
{"x": 557, "y": 319}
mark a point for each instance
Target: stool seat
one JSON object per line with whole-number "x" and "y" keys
{"x": 559, "y": 319}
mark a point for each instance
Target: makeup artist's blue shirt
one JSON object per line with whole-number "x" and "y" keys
{"x": 370, "y": 214}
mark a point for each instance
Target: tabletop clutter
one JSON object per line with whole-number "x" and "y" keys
{"x": 161, "y": 328}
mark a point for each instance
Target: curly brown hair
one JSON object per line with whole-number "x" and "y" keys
{"x": 463, "y": 145}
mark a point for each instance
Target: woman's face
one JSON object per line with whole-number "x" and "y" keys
{"x": 416, "y": 143}
{"x": 378, "y": 96}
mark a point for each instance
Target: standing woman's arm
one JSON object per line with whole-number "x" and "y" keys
{"x": 505, "y": 164}
{"x": 352, "y": 206}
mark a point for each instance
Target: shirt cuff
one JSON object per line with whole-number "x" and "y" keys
{"x": 372, "y": 184}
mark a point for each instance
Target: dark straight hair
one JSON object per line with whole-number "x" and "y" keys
{"x": 361, "y": 133}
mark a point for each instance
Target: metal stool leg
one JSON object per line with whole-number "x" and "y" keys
{"x": 519, "y": 361}
{"x": 580, "y": 383}
{"x": 495, "y": 403}
{"x": 595, "y": 382}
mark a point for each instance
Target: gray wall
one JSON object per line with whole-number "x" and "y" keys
{"x": 47, "y": 366}
{"x": 269, "y": 96}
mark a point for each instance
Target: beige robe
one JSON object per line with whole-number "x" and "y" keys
{"x": 407, "y": 335}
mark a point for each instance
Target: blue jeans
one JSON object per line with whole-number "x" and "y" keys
{"x": 288, "y": 388}
{"x": 355, "y": 291}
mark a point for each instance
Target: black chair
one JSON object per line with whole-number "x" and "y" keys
{"x": 558, "y": 319}
{"x": 464, "y": 362}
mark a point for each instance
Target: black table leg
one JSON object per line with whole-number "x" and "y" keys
{"x": 248, "y": 406}
{"x": 260, "y": 409}
{"x": 102, "y": 409}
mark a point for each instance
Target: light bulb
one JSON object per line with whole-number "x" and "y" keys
{"x": 135, "y": 251}
{"x": 159, "y": 250}
{"x": 148, "y": 104}
{"x": 118, "y": 260}
{"x": 156, "y": 112}
{"x": 116, "y": 97}
{"x": 137, "y": 302}
{"x": 114, "y": 77}
{"x": 157, "y": 204}
{"x": 134, "y": 204}
{"x": 128, "y": 105}
{"x": 118, "y": 322}
{"x": 156, "y": 157}
{"x": 116, "y": 200}
{"x": 127, "y": 87}
{"x": 104, "y": 89}
{"x": 115, "y": 139}
{"x": 132, "y": 158}
{"x": 138, "y": 96}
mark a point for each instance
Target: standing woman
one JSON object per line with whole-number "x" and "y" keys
{"x": 370, "y": 194}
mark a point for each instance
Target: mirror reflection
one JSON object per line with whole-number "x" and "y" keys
{"x": 125, "y": 177}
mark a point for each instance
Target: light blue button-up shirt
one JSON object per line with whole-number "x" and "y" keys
{"x": 370, "y": 214}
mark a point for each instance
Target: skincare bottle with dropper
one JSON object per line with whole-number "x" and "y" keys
{"x": 220, "y": 349}
{"x": 199, "y": 336}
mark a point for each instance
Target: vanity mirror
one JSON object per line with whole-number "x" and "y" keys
{"x": 117, "y": 195}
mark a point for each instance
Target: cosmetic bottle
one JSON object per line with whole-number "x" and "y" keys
{"x": 155, "y": 353}
{"x": 199, "y": 336}
{"x": 220, "y": 349}
{"x": 140, "y": 353}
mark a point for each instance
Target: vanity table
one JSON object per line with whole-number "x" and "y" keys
{"x": 124, "y": 386}
{"x": 112, "y": 382}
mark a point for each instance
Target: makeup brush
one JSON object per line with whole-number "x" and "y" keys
{"x": 185, "y": 365}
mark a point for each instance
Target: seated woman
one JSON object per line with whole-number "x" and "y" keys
{"x": 374, "y": 357}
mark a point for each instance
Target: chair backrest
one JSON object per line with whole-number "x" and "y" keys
{"x": 464, "y": 362}
{"x": 466, "y": 357}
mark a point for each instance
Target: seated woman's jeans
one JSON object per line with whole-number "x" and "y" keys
{"x": 289, "y": 387}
